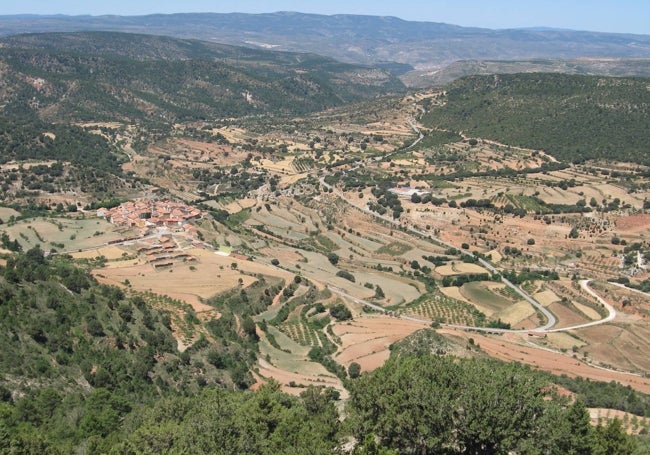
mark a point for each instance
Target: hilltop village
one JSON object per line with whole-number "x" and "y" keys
{"x": 144, "y": 214}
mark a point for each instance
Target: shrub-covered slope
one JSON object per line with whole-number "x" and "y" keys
{"x": 112, "y": 76}
{"x": 573, "y": 118}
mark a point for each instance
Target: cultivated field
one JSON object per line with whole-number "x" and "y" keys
{"x": 193, "y": 282}
{"x": 514, "y": 348}
{"x": 366, "y": 339}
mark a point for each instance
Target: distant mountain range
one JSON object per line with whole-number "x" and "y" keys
{"x": 385, "y": 42}
{"x": 354, "y": 39}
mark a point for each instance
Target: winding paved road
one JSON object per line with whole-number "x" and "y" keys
{"x": 550, "y": 318}
{"x": 584, "y": 284}
{"x": 542, "y": 329}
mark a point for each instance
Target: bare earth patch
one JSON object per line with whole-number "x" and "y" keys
{"x": 284, "y": 377}
{"x": 366, "y": 340}
{"x": 633, "y": 223}
{"x": 510, "y": 347}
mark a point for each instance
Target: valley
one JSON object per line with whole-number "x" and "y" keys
{"x": 275, "y": 215}
{"x": 177, "y": 245}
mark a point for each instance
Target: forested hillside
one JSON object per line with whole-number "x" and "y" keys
{"x": 28, "y": 139}
{"x": 138, "y": 78}
{"x": 573, "y": 118}
{"x": 78, "y": 357}
{"x": 472, "y": 406}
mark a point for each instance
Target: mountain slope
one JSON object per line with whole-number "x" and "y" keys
{"x": 112, "y": 76}
{"x": 571, "y": 117}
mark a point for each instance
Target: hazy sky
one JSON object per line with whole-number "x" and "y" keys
{"x": 624, "y": 16}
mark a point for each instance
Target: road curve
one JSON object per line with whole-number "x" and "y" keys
{"x": 584, "y": 284}
{"x": 425, "y": 322}
{"x": 542, "y": 329}
{"x": 637, "y": 291}
{"x": 550, "y": 318}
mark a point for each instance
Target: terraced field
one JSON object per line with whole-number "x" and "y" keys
{"x": 300, "y": 331}
{"x": 484, "y": 298}
{"x": 441, "y": 308}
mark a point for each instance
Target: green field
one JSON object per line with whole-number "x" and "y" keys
{"x": 520, "y": 201}
{"x": 326, "y": 243}
{"x": 394, "y": 249}
{"x": 484, "y": 298}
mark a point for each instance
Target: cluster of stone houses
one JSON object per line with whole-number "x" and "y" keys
{"x": 142, "y": 214}
{"x": 164, "y": 252}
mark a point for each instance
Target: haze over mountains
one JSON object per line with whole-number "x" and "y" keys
{"x": 356, "y": 39}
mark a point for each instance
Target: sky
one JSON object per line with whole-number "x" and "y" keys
{"x": 619, "y": 16}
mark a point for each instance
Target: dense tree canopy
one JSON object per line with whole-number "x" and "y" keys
{"x": 221, "y": 422}
{"x": 573, "y": 118}
{"x": 441, "y": 405}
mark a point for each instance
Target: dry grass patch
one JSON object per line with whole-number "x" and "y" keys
{"x": 284, "y": 166}
{"x": 109, "y": 252}
{"x": 546, "y": 298}
{"x": 445, "y": 270}
{"x": 453, "y": 292}
{"x": 463, "y": 267}
{"x": 623, "y": 345}
{"x": 518, "y": 315}
{"x": 288, "y": 180}
{"x": 587, "y": 311}
{"x": 212, "y": 274}
{"x": 239, "y": 205}
{"x": 564, "y": 341}
{"x": 6, "y": 213}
